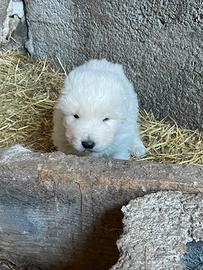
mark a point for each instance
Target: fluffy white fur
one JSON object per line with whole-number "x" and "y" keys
{"x": 98, "y": 105}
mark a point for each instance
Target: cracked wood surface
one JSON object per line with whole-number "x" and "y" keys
{"x": 60, "y": 211}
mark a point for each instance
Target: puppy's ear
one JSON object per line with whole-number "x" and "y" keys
{"x": 70, "y": 80}
{"x": 67, "y": 85}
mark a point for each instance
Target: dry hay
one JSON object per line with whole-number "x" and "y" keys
{"x": 169, "y": 143}
{"x": 28, "y": 92}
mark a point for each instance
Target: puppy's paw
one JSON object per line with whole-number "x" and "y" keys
{"x": 139, "y": 150}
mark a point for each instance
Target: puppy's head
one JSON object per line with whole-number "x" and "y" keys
{"x": 94, "y": 106}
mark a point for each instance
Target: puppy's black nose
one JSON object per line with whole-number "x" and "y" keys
{"x": 88, "y": 144}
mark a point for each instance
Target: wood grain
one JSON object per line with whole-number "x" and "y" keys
{"x": 63, "y": 212}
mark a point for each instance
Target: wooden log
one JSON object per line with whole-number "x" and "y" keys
{"x": 63, "y": 212}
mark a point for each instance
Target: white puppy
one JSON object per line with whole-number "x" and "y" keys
{"x": 96, "y": 113}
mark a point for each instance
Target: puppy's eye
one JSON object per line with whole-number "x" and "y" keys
{"x": 76, "y": 116}
{"x": 106, "y": 119}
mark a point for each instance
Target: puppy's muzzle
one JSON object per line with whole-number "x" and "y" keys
{"x": 89, "y": 145}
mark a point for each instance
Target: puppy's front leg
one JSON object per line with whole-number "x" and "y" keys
{"x": 139, "y": 149}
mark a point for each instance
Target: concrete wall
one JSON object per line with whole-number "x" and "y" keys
{"x": 3, "y": 13}
{"x": 158, "y": 42}
{"x": 13, "y": 27}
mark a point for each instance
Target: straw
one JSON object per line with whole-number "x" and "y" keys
{"x": 28, "y": 91}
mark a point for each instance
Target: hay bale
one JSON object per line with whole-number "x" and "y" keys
{"x": 28, "y": 91}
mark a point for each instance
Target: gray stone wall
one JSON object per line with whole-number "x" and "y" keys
{"x": 160, "y": 44}
{"x": 13, "y": 27}
{"x": 4, "y": 4}
{"x": 3, "y": 13}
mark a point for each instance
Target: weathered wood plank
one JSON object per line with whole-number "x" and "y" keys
{"x": 63, "y": 211}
